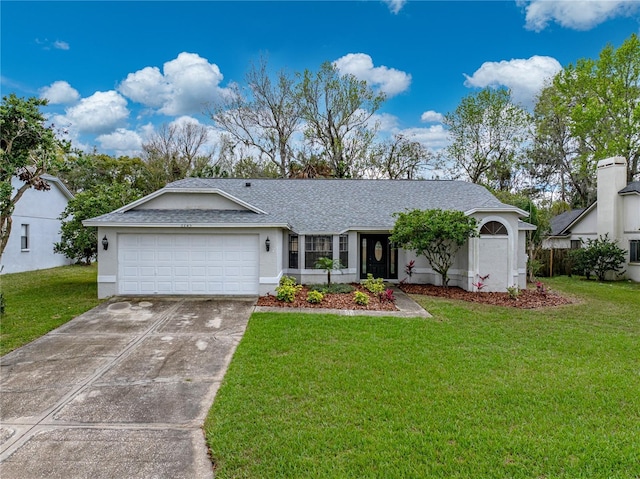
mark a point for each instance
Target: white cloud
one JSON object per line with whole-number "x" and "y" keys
{"x": 575, "y": 14}
{"x": 385, "y": 122}
{"x": 389, "y": 80}
{"x": 59, "y": 92}
{"x": 184, "y": 86}
{"x": 431, "y": 117}
{"x": 100, "y": 113}
{"x": 524, "y": 77}
{"x": 60, "y": 45}
{"x": 121, "y": 142}
{"x": 395, "y": 5}
{"x": 146, "y": 86}
{"x": 434, "y": 137}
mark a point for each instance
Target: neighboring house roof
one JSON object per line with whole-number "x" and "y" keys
{"x": 562, "y": 221}
{"x": 561, "y": 224}
{"x": 633, "y": 187}
{"x": 311, "y": 206}
{"x": 61, "y": 186}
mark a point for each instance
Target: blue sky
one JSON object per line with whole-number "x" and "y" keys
{"x": 114, "y": 71}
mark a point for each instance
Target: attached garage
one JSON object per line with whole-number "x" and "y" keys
{"x": 188, "y": 264}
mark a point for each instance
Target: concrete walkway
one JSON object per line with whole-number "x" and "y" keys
{"x": 121, "y": 391}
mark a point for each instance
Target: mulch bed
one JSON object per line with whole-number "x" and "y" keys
{"x": 527, "y": 298}
{"x": 330, "y": 300}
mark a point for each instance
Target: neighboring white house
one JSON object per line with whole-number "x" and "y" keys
{"x": 239, "y": 237}
{"x": 616, "y": 212}
{"x": 36, "y": 228}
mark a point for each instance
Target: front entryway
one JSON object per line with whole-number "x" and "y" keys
{"x": 378, "y": 257}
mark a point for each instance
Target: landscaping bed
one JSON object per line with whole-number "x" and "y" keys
{"x": 526, "y": 299}
{"x": 330, "y": 300}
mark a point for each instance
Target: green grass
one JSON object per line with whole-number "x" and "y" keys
{"x": 476, "y": 391}
{"x": 40, "y": 301}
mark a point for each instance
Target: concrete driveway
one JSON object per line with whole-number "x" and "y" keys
{"x": 120, "y": 391}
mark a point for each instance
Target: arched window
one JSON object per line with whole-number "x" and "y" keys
{"x": 493, "y": 228}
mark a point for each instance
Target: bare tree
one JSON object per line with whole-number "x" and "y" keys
{"x": 399, "y": 158}
{"x": 265, "y": 116}
{"x": 176, "y": 151}
{"x": 337, "y": 110}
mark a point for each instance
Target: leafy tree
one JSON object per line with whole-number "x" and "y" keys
{"x": 264, "y": 117}
{"x": 399, "y": 158}
{"x": 93, "y": 169}
{"x": 553, "y": 157}
{"x": 28, "y": 149}
{"x": 80, "y": 242}
{"x": 600, "y": 256}
{"x": 598, "y": 103}
{"x": 337, "y": 111}
{"x": 487, "y": 133}
{"x": 436, "y": 234}
{"x": 328, "y": 264}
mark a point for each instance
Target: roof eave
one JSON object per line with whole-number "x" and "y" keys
{"x": 511, "y": 209}
{"x": 166, "y": 190}
{"x": 119, "y": 224}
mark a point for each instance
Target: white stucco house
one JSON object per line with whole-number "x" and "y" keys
{"x": 36, "y": 228}
{"x": 239, "y": 237}
{"x": 616, "y": 212}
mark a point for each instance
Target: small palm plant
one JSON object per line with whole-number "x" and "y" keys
{"x": 328, "y": 265}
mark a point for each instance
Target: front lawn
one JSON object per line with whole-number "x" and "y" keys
{"x": 476, "y": 391}
{"x": 40, "y": 301}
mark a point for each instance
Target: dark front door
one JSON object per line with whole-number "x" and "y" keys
{"x": 378, "y": 257}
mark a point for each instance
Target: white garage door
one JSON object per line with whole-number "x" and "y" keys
{"x": 187, "y": 264}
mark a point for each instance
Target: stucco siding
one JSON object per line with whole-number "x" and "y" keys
{"x": 190, "y": 201}
{"x": 39, "y": 210}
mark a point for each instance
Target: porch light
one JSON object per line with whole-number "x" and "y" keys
{"x": 105, "y": 243}
{"x": 267, "y": 243}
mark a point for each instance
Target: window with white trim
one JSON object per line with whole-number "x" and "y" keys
{"x": 317, "y": 247}
{"x": 493, "y": 228}
{"x": 344, "y": 250}
{"x": 24, "y": 237}
{"x": 634, "y": 251}
{"x": 293, "y": 252}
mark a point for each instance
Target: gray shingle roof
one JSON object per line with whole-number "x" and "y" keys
{"x": 633, "y": 187}
{"x": 560, "y": 222}
{"x": 316, "y": 206}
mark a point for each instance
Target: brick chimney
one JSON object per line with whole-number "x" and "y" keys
{"x": 612, "y": 177}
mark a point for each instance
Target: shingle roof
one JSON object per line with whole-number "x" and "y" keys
{"x": 560, "y": 222}
{"x": 315, "y": 206}
{"x": 633, "y": 187}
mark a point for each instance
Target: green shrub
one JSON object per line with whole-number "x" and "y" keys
{"x": 360, "y": 298}
{"x": 513, "y": 292}
{"x": 315, "y": 297}
{"x": 288, "y": 289}
{"x": 598, "y": 257}
{"x": 373, "y": 285}
{"x": 336, "y": 288}
{"x": 287, "y": 281}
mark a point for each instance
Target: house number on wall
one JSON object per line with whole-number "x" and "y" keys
{"x": 185, "y": 226}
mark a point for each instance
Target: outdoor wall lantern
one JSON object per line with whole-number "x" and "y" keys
{"x": 267, "y": 243}
{"x": 105, "y": 243}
